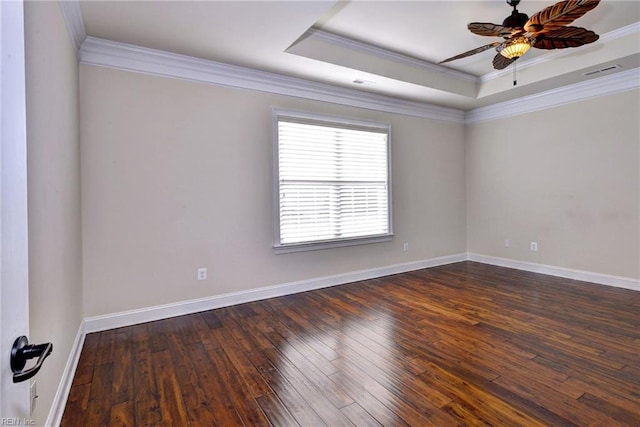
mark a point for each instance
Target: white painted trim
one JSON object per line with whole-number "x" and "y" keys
{"x": 568, "y": 273}
{"x": 552, "y": 56}
{"x": 62, "y": 394}
{"x": 73, "y": 19}
{"x": 606, "y": 85}
{"x": 369, "y": 49}
{"x": 132, "y": 317}
{"x": 106, "y": 53}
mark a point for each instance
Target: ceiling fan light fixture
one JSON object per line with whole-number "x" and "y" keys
{"x": 516, "y": 47}
{"x": 546, "y": 29}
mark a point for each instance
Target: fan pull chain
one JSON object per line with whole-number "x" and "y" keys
{"x": 515, "y": 82}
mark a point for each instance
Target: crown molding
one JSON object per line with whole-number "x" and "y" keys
{"x": 552, "y": 56}
{"x": 607, "y": 85}
{"x": 106, "y": 53}
{"x": 73, "y": 19}
{"x": 355, "y": 45}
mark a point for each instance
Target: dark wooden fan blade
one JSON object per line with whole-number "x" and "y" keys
{"x": 471, "y": 52}
{"x": 565, "y": 37}
{"x": 500, "y": 62}
{"x": 489, "y": 29}
{"x": 560, "y": 14}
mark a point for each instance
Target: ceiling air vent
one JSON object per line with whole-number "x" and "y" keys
{"x": 364, "y": 82}
{"x": 601, "y": 70}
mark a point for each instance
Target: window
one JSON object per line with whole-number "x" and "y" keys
{"x": 332, "y": 182}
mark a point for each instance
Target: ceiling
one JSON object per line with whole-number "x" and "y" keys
{"x": 385, "y": 47}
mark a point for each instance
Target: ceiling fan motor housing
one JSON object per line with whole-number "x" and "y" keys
{"x": 516, "y": 19}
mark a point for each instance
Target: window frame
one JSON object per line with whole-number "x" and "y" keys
{"x": 335, "y": 121}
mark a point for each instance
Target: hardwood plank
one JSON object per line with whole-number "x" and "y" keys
{"x": 170, "y": 395}
{"x": 358, "y": 416}
{"x": 214, "y": 396}
{"x": 387, "y": 394}
{"x": 122, "y": 415}
{"x": 202, "y": 416}
{"x": 629, "y": 401}
{"x": 147, "y": 403}
{"x": 570, "y": 409}
{"x": 275, "y": 410}
{"x": 370, "y": 403}
{"x": 287, "y": 393}
{"x": 245, "y": 369}
{"x": 123, "y": 370}
{"x": 158, "y": 332}
{"x": 99, "y": 405}
{"x": 105, "y": 350}
{"x": 245, "y": 405}
{"x": 77, "y": 404}
{"x": 617, "y": 413}
{"x": 84, "y": 374}
{"x": 316, "y": 398}
{"x": 486, "y": 404}
{"x": 295, "y": 362}
{"x": 87, "y": 360}
{"x": 300, "y": 346}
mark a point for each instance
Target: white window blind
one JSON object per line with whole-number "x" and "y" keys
{"x": 333, "y": 181}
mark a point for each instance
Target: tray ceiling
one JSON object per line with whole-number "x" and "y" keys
{"x": 385, "y": 47}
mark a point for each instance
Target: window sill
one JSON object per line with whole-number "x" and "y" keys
{"x": 304, "y": 247}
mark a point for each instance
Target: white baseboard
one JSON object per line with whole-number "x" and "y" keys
{"x": 149, "y": 314}
{"x": 60, "y": 399}
{"x": 586, "y": 276}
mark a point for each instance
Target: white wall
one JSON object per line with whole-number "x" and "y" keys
{"x": 53, "y": 161}
{"x": 566, "y": 177}
{"x": 177, "y": 175}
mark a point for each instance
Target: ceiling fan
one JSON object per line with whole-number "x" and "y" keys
{"x": 546, "y": 29}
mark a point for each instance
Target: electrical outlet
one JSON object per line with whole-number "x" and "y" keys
{"x": 33, "y": 394}
{"x": 507, "y": 243}
{"x": 534, "y": 246}
{"x": 405, "y": 247}
{"x": 202, "y": 273}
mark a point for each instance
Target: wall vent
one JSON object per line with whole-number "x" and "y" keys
{"x": 601, "y": 70}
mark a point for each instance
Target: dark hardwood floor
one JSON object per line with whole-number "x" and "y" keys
{"x": 462, "y": 344}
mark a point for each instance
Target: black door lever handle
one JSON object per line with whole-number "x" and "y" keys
{"x": 23, "y": 351}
